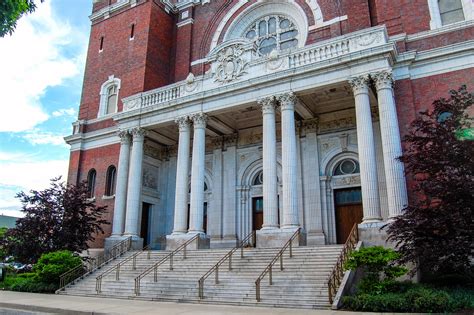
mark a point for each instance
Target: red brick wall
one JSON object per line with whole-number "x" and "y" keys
{"x": 99, "y": 159}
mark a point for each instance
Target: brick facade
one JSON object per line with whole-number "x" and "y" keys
{"x": 166, "y": 47}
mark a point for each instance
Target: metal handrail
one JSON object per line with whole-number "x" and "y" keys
{"x": 117, "y": 268}
{"x": 169, "y": 257}
{"x": 215, "y": 268}
{"x": 269, "y": 267}
{"x": 108, "y": 255}
{"x": 338, "y": 271}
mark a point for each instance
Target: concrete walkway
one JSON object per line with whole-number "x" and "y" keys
{"x": 31, "y": 303}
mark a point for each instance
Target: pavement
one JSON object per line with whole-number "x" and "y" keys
{"x": 18, "y": 303}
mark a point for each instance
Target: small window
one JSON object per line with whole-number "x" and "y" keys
{"x": 451, "y": 11}
{"x": 110, "y": 181}
{"x": 91, "y": 183}
{"x": 347, "y": 167}
{"x": 258, "y": 180}
{"x": 101, "y": 45}
{"x": 109, "y": 96}
{"x": 132, "y": 32}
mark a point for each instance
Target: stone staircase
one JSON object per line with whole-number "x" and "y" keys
{"x": 301, "y": 284}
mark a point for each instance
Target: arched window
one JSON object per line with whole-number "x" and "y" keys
{"x": 451, "y": 11}
{"x": 273, "y": 32}
{"x": 347, "y": 167}
{"x": 110, "y": 181}
{"x": 258, "y": 180}
{"x": 109, "y": 95}
{"x": 91, "y": 183}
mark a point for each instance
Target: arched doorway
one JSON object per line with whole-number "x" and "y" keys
{"x": 347, "y": 197}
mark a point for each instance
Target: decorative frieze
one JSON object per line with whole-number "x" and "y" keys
{"x": 338, "y": 124}
{"x": 310, "y": 125}
{"x": 346, "y": 181}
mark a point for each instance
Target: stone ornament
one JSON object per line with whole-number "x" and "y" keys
{"x": 274, "y": 61}
{"x": 191, "y": 83}
{"x": 360, "y": 84}
{"x": 124, "y": 136}
{"x": 199, "y": 120}
{"x": 346, "y": 181}
{"x": 138, "y": 133}
{"x": 383, "y": 79}
{"x": 310, "y": 125}
{"x": 231, "y": 65}
{"x": 267, "y": 104}
{"x": 287, "y": 101}
{"x": 132, "y": 104}
{"x": 183, "y": 123}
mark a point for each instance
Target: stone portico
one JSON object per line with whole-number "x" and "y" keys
{"x": 191, "y": 152}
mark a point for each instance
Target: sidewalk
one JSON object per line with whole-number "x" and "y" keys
{"x": 64, "y": 304}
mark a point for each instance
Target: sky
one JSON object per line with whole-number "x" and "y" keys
{"x": 41, "y": 72}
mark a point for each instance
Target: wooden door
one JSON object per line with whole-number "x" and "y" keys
{"x": 348, "y": 203}
{"x": 257, "y": 209}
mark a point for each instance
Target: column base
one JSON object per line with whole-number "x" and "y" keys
{"x": 175, "y": 241}
{"x": 226, "y": 242}
{"x": 315, "y": 238}
{"x": 372, "y": 234}
{"x": 137, "y": 242}
{"x": 275, "y": 238}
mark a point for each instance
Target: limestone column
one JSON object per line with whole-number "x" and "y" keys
{"x": 197, "y": 174}
{"x": 121, "y": 188}
{"x": 366, "y": 146}
{"x": 270, "y": 188}
{"x": 391, "y": 144}
{"x": 229, "y": 188}
{"x": 135, "y": 182}
{"x": 182, "y": 173}
{"x": 289, "y": 161}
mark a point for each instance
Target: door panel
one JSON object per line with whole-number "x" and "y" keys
{"x": 348, "y": 204}
{"x": 257, "y": 207}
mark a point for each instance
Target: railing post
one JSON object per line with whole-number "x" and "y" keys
{"x": 217, "y": 274}
{"x": 184, "y": 251}
{"x": 171, "y": 261}
{"x": 291, "y": 248}
{"x": 117, "y": 273}
{"x": 230, "y": 262}
{"x": 148, "y": 254}
{"x": 242, "y": 250}
{"x": 281, "y": 262}
{"x": 137, "y": 286}
{"x": 134, "y": 267}
{"x": 155, "y": 273}
{"x": 257, "y": 290}
{"x": 201, "y": 289}
{"x": 270, "y": 277}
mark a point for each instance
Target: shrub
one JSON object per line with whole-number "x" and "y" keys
{"x": 52, "y": 265}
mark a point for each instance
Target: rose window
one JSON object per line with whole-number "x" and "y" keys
{"x": 273, "y": 32}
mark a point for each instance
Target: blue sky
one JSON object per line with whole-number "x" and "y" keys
{"x": 41, "y": 72}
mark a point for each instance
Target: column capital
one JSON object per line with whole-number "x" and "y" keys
{"x": 268, "y": 104}
{"x": 183, "y": 123}
{"x": 199, "y": 120}
{"x": 124, "y": 136}
{"x": 360, "y": 84}
{"x": 287, "y": 101}
{"x": 138, "y": 133}
{"x": 383, "y": 79}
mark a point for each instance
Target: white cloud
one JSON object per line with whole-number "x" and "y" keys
{"x": 31, "y": 61}
{"x": 22, "y": 173}
{"x": 64, "y": 112}
{"x": 37, "y": 136}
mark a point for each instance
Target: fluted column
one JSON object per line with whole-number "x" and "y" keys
{"x": 366, "y": 145}
{"x": 182, "y": 173}
{"x": 121, "y": 186}
{"x": 289, "y": 160}
{"x": 391, "y": 144}
{"x": 270, "y": 184}
{"x": 197, "y": 174}
{"x": 135, "y": 182}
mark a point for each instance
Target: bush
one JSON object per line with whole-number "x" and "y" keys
{"x": 52, "y": 265}
{"x": 409, "y": 297}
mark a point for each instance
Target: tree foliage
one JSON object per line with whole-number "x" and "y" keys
{"x": 60, "y": 217}
{"x": 436, "y": 230}
{"x": 11, "y": 11}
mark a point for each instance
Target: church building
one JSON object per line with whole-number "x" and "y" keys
{"x": 224, "y": 117}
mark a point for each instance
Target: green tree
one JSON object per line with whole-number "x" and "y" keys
{"x": 61, "y": 217}
{"x": 11, "y": 11}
